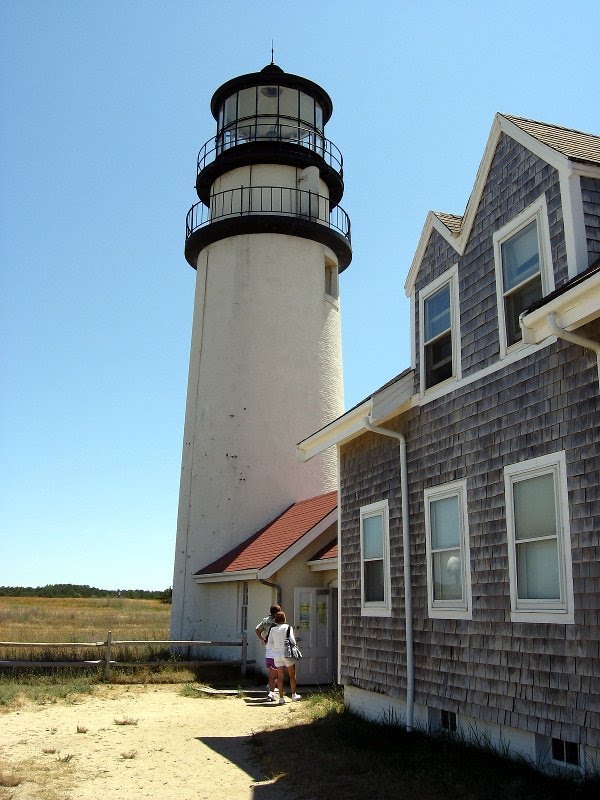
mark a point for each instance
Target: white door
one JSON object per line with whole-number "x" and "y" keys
{"x": 313, "y": 627}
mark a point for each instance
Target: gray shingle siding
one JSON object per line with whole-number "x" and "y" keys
{"x": 539, "y": 677}
{"x": 590, "y": 193}
{"x": 528, "y": 675}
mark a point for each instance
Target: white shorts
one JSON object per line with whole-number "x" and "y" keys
{"x": 285, "y": 662}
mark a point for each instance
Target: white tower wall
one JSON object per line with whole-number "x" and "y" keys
{"x": 265, "y": 371}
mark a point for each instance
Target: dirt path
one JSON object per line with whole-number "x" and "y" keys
{"x": 166, "y": 746}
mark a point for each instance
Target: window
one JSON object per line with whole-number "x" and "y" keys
{"x": 374, "y": 548}
{"x": 331, "y": 279}
{"x": 539, "y": 541}
{"x": 243, "y": 606}
{"x": 441, "y": 720}
{"x": 439, "y": 330}
{"x": 448, "y": 562}
{"x": 565, "y": 752}
{"x": 523, "y": 273}
{"x": 448, "y": 721}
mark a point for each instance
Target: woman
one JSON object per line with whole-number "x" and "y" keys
{"x": 277, "y": 637}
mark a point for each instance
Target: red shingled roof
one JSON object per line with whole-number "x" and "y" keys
{"x": 329, "y": 551}
{"x": 275, "y": 538}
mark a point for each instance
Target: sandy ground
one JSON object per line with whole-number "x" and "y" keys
{"x": 171, "y": 747}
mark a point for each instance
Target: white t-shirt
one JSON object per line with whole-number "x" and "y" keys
{"x": 277, "y": 640}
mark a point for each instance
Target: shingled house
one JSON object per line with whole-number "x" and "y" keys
{"x": 469, "y": 487}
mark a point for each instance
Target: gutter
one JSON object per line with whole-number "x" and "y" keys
{"x": 410, "y": 666}
{"x": 275, "y": 586}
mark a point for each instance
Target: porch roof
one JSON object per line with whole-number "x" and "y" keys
{"x": 274, "y": 545}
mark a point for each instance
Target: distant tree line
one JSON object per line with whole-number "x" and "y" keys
{"x": 75, "y": 590}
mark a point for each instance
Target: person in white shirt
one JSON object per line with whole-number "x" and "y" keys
{"x": 262, "y": 631}
{"x": 277, "y": 637}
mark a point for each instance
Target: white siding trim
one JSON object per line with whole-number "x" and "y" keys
{"x": 574, "y": 222}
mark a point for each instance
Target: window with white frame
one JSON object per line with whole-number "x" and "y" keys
{"x": 523, "y": 268}
{"x": 375, "y": 568}
{"x": 447, "y": 545}
{"x": 539, "y": 542}
{"x": 440, "y": 351}
{"x": 243, "y": 606}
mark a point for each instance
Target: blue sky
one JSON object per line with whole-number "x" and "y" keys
{"x": 105, "y": 106}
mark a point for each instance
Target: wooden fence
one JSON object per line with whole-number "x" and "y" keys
{"x": 106, "y": 662}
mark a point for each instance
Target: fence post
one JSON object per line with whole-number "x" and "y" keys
{"x": 244, "y": 653}
{"x": 107, "y": 655}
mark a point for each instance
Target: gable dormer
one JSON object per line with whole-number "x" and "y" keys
{"x": 529, "y": 226}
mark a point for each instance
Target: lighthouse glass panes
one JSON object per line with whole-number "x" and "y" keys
{"x": 270, "y": 112}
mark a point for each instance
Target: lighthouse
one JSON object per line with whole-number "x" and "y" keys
{"x": 268, "y": 241}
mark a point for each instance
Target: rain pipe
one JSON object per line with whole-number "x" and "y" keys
{"x": 275, "y": 586}
{"x": 582, "y": 341}
{"x": 410, "y": 667}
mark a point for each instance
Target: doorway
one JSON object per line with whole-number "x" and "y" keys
{"x": 315, "y": 628}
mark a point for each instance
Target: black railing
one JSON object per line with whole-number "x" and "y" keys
{"x": 271, "y": 132}
{"x": 276, "y": 200}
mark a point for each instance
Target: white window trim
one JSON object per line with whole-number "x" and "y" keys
{"x": 450, "y": 609}
{"x": 537, "y": 211}
{"x": 449, "y": 276}
{"x": 243, "y": 589}
{"x": 377, "y": 608}
{"x": 553, "y": 611}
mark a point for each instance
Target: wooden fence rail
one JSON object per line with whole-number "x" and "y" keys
{"x": 106, "y": 662}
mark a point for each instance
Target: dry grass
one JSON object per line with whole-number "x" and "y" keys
{"x": 78, "y": 620}
{"x": 81, "y": 619}
{"x": 126, "y": 721}
{"x": 38, "y": 779}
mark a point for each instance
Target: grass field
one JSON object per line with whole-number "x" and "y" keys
{"x": 81, "y": 619}
{"x": 78, "y": 620}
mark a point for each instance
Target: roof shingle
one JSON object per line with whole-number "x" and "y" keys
{"x": 575, "y": 145}
{"x": 276, "y": 537}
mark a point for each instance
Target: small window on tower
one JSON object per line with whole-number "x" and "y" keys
{"x": 331, "y": 280}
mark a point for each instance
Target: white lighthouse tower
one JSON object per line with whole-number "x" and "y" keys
{"x": 267, "y": 240}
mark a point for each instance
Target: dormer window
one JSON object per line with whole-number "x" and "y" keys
{"x": 439, "y": 331}
{"x": 522, "y": 282}
{"x": 523, "y": 270}
{"x": 438, "y": 337}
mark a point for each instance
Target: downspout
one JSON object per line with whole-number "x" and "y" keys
{"x": 410, "y": 670}
{"x": 275, "y": 586}
{"x": 582, "y": 341}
